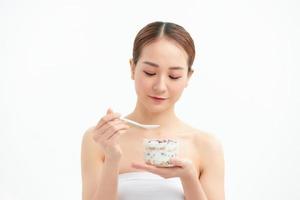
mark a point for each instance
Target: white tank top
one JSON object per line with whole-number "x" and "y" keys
{"x": 148, "y": 186}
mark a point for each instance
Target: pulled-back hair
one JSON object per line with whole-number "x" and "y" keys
{"x": 158, "y": 29}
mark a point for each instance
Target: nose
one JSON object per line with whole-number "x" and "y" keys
{"x": 160, "y": 85}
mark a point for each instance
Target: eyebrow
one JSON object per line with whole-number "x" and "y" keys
{"x": 156, "y": 65}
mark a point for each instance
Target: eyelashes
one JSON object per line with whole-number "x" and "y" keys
{"x": 171, "y": 77}
{"x": 149, "y": 74}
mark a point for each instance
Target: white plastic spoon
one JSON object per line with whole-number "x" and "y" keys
{"x": 145, "y": 126}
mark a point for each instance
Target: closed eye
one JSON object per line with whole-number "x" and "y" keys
{"x": 174, "y": 78}
{"x": 149, "y": 74}
{"x": 171, "y": 77}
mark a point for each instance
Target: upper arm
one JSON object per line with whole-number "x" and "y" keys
{"x": 91, "y": 164}
{"x": 212, "y": 176}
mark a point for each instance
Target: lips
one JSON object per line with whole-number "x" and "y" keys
{"x": 158, "y": 98}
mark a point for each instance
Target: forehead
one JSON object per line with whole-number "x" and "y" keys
{"x": 165, "y": 52}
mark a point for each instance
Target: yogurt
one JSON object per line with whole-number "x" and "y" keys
{"x": 159, "y": 152}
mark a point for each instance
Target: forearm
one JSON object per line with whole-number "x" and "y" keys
{"x": 193, "y": 189}
{"x": 108, "y": 181}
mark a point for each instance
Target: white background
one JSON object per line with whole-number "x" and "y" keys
{"x": 63, "y": 63}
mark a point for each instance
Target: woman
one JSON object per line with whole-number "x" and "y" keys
{"x": 112, "y": 152}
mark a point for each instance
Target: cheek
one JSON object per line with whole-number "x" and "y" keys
{"x": 177, "y": 89}
{"x": 141, "y": 84}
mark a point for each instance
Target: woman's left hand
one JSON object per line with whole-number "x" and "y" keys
{"x": 182, "y": 168}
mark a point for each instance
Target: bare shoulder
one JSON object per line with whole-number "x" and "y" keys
{"x": 209, "y": 141}
{"x": 87, "y": 138}
{"x": 88, "y": 135}
{"x": 89, "y": 146}
{"x": 207, "y": 145}
{"x": 208, "y": 148}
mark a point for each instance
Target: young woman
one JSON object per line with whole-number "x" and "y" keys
{"x": 112, "y": 160}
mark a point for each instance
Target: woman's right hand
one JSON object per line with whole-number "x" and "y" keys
{"x": 107, "y": 133}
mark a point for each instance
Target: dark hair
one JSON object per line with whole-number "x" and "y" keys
{"x": 158, "y": 29}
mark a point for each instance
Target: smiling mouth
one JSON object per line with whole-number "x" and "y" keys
{"x": 158, "y": 98}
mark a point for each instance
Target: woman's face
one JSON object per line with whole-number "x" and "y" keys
{"x": 160, "y": 74}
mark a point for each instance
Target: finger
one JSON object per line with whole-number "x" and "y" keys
{"x": 178, "y": 162}
{"x": 117, "y": 135}
{"x": 161, "y": 171}
{"x": 111, "y": 128}
{"x": 142, "y": 166}
{"x": 117, "y": 131}
{"x": 108, "y": 129}
{"x": 109, "y": 137}
{"x": 109, "y": 111}
{"x": 107, "y": 118}
{"x": 110, "y": 124}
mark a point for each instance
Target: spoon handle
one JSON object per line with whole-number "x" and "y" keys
{"x": 138, "y": 124}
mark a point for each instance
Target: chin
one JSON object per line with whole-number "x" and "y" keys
{"x": 157, "y": 108}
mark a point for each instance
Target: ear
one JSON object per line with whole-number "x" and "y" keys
{"x": 132, "y": 68}
{"x": 190, "y": 73}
